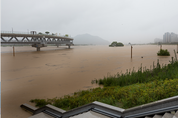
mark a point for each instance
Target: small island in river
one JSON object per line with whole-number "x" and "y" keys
{"x": 115, "y": 44}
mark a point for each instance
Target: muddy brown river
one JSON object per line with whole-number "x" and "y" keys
{"x": 54, "y": 72}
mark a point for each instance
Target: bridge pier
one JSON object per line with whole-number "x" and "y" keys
{"x": 37, "y": 48}
{"x": 68, "y": 45}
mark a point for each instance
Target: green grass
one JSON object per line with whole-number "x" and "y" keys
{"x": 125, "y": 90}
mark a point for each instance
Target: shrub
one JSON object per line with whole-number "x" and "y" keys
{"x": 163, "y": 53}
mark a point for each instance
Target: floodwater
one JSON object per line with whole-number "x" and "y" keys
{"x": 54, "y": 72}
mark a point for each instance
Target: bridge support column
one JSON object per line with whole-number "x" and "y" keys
{"x": 69, "y": 46}
{"x": 37, "y": 48}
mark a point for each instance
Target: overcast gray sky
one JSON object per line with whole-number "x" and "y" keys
{"x": 135, "y": 21}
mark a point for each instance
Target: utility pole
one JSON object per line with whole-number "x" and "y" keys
{"x": 160, "y": 45}
{"x": 131, "y": 50}
{"x": 13, "y": 51}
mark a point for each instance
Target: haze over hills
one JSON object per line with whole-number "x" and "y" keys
{"x": 89, "y": 39}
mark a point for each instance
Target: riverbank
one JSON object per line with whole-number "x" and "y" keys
{"x": 127, "y": 90}
{"x": 55, "y": 72}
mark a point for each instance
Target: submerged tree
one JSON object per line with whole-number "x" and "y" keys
{"x": 113, "y": 44}
{"x": 162, "y": 52}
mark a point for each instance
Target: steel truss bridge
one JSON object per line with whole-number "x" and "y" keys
{"x": 36, "y": 40}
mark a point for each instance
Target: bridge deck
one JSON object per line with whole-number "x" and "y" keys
{"x": 33, "y": 35}
{"x": 36, "y": 40}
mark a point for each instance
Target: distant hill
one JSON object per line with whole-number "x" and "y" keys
{"x": 89, "y": 39}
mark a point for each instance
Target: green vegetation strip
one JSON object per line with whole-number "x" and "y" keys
{"x": 125, "y": 90}
{"x": 143, "y": 75}
{"x": 125, "y": 97}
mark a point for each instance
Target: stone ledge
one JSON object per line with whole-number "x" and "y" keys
{"x": 163, "y": 101}
{"x": 55, "y": 108}
{"x": 109, "y": 106}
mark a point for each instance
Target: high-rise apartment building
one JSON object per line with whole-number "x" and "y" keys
{"x": 174, "y": 37}
{"x": 170, "y": 37}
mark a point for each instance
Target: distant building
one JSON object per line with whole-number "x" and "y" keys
{"x": 174, "y": 37}
{"x": 167, "y": 37}
{"x": 170, "y": 37}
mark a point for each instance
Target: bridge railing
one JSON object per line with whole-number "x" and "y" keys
{"x": 15, "y": 32}
{"x": 18, "y": 32}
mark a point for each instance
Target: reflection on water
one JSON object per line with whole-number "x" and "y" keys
{"x": 54, "y": 72}
{"x": 9, "y": 49}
